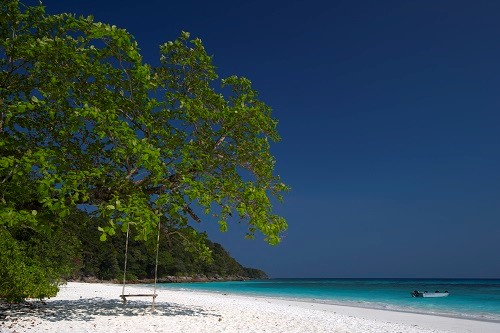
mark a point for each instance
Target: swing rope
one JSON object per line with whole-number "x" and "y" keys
{"x": 126, "y": 256}
{"x": 156, "y": 264}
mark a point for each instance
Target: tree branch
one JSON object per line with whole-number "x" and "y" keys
{"x": 195, "y": 217}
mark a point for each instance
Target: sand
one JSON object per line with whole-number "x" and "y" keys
{"x": 90, "y": 307}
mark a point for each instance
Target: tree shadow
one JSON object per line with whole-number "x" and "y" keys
{"x": 88, "y": 309}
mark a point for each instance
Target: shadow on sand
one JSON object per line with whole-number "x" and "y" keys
{"x": 87, "y": 309}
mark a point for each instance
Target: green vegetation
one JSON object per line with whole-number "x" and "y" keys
{"x": 35, "y": 258}
{"x": 104, "y": 260}
{"x": 87, "y": 126}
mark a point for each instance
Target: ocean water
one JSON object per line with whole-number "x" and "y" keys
{"x": 473, "y": 299}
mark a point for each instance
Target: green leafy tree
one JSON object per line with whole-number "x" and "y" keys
{"x": 98, "y": 129}
{"x": 33, "y": 263}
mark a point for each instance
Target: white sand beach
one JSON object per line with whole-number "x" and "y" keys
{"x": 92, "y": 307}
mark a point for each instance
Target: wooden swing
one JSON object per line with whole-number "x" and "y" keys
{"x": 124, "y": 296}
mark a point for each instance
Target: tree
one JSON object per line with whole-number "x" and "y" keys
{"x": 97, "y": 129}
{"x": 34, "y": 259}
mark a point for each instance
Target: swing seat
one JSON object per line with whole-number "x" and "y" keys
{"x": 124, "y": 297}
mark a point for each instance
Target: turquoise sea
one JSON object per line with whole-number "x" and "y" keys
{"x": 474, "y": 299}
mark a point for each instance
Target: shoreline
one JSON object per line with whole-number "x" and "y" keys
{"x": 445, "y": 315}
{"x": 354, "y": 305}
{"x": 96, "y": 307}
{"x": 306, "y": 302}
{"x": 363, "y": 305}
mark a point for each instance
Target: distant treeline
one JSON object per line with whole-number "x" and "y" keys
{"x": 104, "y": 260}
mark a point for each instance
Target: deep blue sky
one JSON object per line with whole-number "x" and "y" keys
{"x": 389, "y": 114}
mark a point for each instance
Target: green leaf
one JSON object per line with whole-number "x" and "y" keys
{"x": 223, "y": 226}
{"x": 21, "y": 108}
